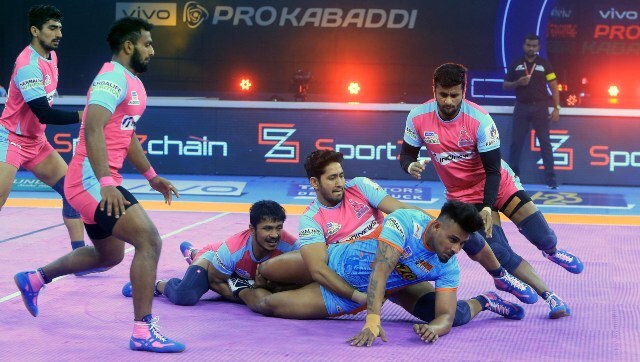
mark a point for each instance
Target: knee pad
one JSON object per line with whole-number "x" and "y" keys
{"x": 68, "y": 212}
{"x": 536, "y": 229}
{"x": 463, "y": 314}
{"x": 190, "y": 289}
{"x": 500, "y": 246}
{"x": 474, "y": 244}
{"x": 425, "y": 307}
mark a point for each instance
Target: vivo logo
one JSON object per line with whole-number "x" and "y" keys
{"x": 159, "y": 14}
{"x": 614, "y": 14}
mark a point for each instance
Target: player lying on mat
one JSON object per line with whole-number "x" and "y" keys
{"x": 409, "y": 248}
{"x": 216, "y": 265}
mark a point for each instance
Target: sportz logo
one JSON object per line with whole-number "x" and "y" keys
{"x": 277, "y": 134}
{"x": 562, "y": 156}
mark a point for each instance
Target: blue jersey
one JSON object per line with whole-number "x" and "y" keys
{"x": 403, "y": 230}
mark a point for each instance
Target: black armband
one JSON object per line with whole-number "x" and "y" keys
{"x": 491, "y": 161}
{"x": 408, "y": 155}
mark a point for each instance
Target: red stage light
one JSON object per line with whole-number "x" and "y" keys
{"x": 354, "y": 88}
{"x": 245, "y": 84}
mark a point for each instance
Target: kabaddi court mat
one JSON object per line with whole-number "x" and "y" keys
{"x": 87, "y": 318}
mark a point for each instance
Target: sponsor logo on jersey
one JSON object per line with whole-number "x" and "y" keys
{"x": 108, "y": 87}
{"x": 424, "y": 265}
{"x": 393, "y": 224}
{"x": 30, "y": 84}
{"x": 134, "y": 99}
{"x": 431, "y": 138}
{"x": 309, "y": 232}
{"x": 332, "y": 228}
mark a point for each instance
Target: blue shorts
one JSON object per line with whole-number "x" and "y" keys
{"x": 337, "y": 305}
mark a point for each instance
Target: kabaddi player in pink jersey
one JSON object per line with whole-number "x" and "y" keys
{"x": 112, "y": 215}
{"x": 225, "y": 267}
{"x": 27, "y": 112}
{"x": 464, "y": 145}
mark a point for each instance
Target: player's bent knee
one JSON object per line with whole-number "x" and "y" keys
{"x": 536, "y": 229}
{"x": 463, "y": 314}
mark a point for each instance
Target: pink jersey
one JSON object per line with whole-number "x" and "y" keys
{"x": 236, "y": 253}
{"x": 122, "y": 93}
{"x": 355, "y": 216}
{"x": 455, "y": 146}
{"x": 33, "y": 77}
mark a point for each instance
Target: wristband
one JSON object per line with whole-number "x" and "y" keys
{"x": 107, "y": 181}
{"x": 150, "y": 174}
{"x": 372, "y": 323}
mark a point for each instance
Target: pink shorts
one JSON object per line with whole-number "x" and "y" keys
{"x": 83, "y": 193}
{"x": 22, "y": 151}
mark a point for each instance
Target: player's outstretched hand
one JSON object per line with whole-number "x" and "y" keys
{"x": 416, "y": 168}
{"x": 487, "y": 218}
{"x": 425, "y": 333}
{"x": 367, "y": 336}
{"x": 163, "y": 186}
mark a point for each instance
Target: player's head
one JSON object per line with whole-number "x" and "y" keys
{"x": 45, "y": 26}
{"x": 266, "y": 220}
{"x": 531, "y": 45}
{"x": 324, "y": 170}
{"x": 449, "y": 81}
{"x": 131, "y": 37}
{"x": 457, "y": 220}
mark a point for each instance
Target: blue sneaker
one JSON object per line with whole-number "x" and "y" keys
{"x": 558, "y": 307}
{"x": 147, "y": 337}
{"x": 500, "y": 306}
{"x": 566, "y": 260}
{"x": 127, "y": 290}
{"x": 510, "y": 284}
{"x": 186, "y": 248}
{"x": 92, "y": 271}
{"x": 29, "y": 284}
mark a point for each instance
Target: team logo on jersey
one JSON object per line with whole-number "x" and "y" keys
{"x": 243, "y": 273}
{"x": 424, "y": 265}
{"x": 309, "y": 232}
{"x": 431, "y": 138}
{"x": 372, "y": 183}
{"x": 332, "y": 228}
{"x": 30, "y": 84}
{"x": 128, "y": 123}
{"x": 47, "y": 80}
{"x": 393, "y": 224}
{"x": 465, "y": 139}
{"x": 407, "y": 252}
{"x": 359, "y": 208}
{"x": 417, "y": 231}
{"x": 134, "y": 99}
{"x": 492, "y": 135}
{"x": 409, "y": 132}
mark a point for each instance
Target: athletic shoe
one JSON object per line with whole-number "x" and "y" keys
{"x": 92, "y": 271}
{"x": 558, "y": 307}
{"x": 186, "y": 248}
{"x": 552, "y": 184}
{"x": 147, "y": 337}
{"x": 504, "y": 308}
{"x": 510, "y": 284}
{"x": 29, "y": 284}
{"x": 127, "y": 290}
{"x": 566, "y": 260}
{"x": 237, "y": 283}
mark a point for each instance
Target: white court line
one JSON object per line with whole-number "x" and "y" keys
{"x": 17, "y": 294}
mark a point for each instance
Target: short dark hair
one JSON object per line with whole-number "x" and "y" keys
{"x": 462, "y": 213}
{"x": 532, "y": 37}
{"x": 127, "y": 28}
{"x": 266, "y": 210}
{"x": 40, "y": 14}
{"x": 450, "y": 75}
{"x": 319, "y": 159}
